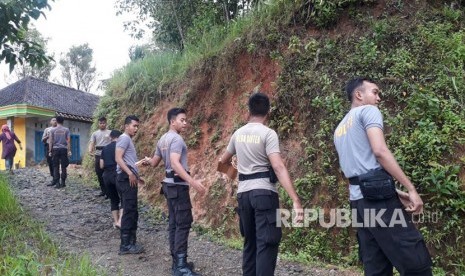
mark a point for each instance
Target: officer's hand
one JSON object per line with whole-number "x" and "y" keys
{"x": 416, "y": 204}
{"x": 50, "y": 154}
{"x": 70, "y": 153}
{"x": 133, "y": 180}
{"x": 143, "y": 162}
{"x": 404, "y": 198}
{"x": 299, "y": 212}
{"x": 198, "y": 186}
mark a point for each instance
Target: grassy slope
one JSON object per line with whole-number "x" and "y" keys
{"x": 26, "y": 249}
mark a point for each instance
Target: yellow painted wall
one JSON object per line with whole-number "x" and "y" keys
{"x": 20, "y": 131}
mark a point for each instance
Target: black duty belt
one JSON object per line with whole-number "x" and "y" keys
{"x": 110, "y": 168}
{"x": 354, "y": 180}
{"x": 99, "y": 147}
{"x": 243, "y": 177}
{"x": 175, "y": 177}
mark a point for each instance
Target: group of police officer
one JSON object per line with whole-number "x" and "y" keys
{"x": 364, "y": 158}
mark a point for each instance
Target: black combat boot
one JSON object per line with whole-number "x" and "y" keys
{"x": 182, "y": 268}
{"x": 173, "y": 266}
{"x": 126, "y": 247}
{"x": 53, "y": 183}
{"x": 190, "y": 265}
{"x": 59, "y": 185}
{"x": 63, "y": 183}
{"x": 133, "y": 239}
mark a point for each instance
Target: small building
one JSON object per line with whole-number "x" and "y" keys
{"x": 27, "y": 107}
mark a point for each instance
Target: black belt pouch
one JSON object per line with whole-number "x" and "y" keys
{"x": 377, "y": 185}
{"x": 273, "y": 176}
{"x": 171, "y": 190}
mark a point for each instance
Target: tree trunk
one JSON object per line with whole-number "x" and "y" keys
{"x": 178, "y": 23}
{"x": 226, "y": 11}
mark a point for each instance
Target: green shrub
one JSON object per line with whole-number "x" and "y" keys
{"x": 26, "y": 248}
{"x": 421, "y": 73}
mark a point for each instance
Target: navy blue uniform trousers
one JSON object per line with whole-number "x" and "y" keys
{"x": 109, "y": 179}
{"x": 381, "y": 248}
{"x": 128, "y": 203}
{"x": 99, "y": 173}
{"x": 60, "y": 159}
{"x": 257, "y": 212}
{"x": 180, "y": 216}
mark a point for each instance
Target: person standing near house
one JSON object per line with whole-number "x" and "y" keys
{"x": 172, "y": 149}
{"x": 98, "y": 140}
{"x": 260, "y": 165}
{"x": 46, "y": 141}
{"x": 8, "y": 139}
{"x": 371, "y": 168}
{"x": 127, "y": 183}
{"x": 60, "y": 150}
{"x": 108, "y": 164}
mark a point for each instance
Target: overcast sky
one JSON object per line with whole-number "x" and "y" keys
{"x": 75, "y": 22}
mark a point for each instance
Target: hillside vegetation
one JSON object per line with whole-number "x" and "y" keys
{"x": 301, "y": 53}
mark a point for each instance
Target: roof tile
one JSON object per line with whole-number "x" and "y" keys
{"x": 45, "y": 94}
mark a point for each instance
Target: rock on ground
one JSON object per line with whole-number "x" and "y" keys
{"x": 81, "y": 223}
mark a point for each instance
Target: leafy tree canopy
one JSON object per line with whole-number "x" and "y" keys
{"x": 25, "y": 70}
{"x": 172, "y": 21}
{"x": 15, "y": 47}
{"x": 77, "y": 69}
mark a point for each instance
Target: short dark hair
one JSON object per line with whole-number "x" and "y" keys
{"x": 60, "y": 119}
{"x": 101, "y": 119}
{"x": 353, "y": 84}
{"x": 115, "y": 133}
{"x": 173, "y": 112}
{"x": 259, "y": 104}
{"x": 130, "y": 118}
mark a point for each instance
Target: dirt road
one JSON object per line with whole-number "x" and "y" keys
{"x": 80, "y": 222}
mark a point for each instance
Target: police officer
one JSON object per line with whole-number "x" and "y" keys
{"x": 108, "y": 164}
{"x": 370, "y": 167}
{"x": 259, "y": 162}
{"x": 172, "y": 149}
{"x": 60, "y": 149}
{"x": 126, "y": 182}
{"x": 98, "y": 140}
{"x": 46, "y": 141}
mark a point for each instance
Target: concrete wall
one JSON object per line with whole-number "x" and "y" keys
{"x": 17, "y": 125}
{"x": 33, "y": 125}
{"x": 83, "y": 130}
